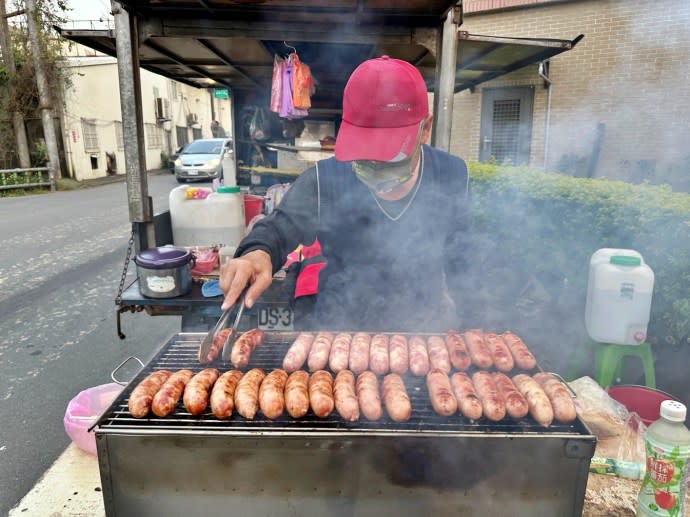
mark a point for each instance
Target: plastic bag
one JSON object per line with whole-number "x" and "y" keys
{"x": 206, "y": 260}
{"x": 605, "y": 416}
{"x": 83, "y": 411}
{"x": 259, "y": 125}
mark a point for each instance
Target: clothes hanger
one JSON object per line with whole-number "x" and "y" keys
{"x": 290, "y": 46}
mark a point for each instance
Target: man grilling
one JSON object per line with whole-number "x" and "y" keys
{"x": 388, "y": 211}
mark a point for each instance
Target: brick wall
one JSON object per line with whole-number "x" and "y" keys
{"x": 631, "y": 72}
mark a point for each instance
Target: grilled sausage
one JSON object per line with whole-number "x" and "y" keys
{"x": 457, "y": 351}
{"x": 165, "y": 401}
{"x": 468, "y": 401}
{"x": 320, "y": 350}
{"x": 359, "y": 352}
{"x": 500, "y": 353}
{"x": 297, "y": 394}
{"x": 480, "y": 354}
{"x": 438, "y": 354}
{"x": 321, "y": 393}
{"x": 516, "y": 405}
{"x": 395, "y": 398}
{"x": 539, "y": 403}
{"x": 223, "y": 394}
{"x": 141, "y": 398}
{"x": 340, "y": 352}
{"x": 196, "y": 393}
{"x": 419, "y": 356}
{"x": 345, "y": 396}
{"x": 523, "y": 357}
{"x": 563, "y": 406}
{"x": 272, "y": 394}
{"x": 243, "y": 347}
{"x": 442, "y": 399}
{"x": 493, "y": 406}
{"x": 247, "y": 393}
{"x": 216, "y": 346}
{"x": 368, "y": 396}
{"x": 398, "y": 354}
{"x": 378, "y": 354}
{"x": 298, "y": 352}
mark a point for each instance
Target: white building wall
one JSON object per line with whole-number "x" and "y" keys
{"x": 92, "y": 100}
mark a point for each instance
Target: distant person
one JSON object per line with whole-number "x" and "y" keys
{"x": 389, "y": 212}
{"x": 217, "y": 130}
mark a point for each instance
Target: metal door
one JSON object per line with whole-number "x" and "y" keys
{"x": 506, "y": 125}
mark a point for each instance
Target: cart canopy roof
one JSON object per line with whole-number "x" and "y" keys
{"x": 232, "y": 43}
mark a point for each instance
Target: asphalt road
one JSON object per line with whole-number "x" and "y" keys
{"x": 61, "y": 261}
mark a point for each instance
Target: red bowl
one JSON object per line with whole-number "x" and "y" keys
{"x": 642, "y": 400}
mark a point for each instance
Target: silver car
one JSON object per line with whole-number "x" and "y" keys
{"x": 205, "y": 159}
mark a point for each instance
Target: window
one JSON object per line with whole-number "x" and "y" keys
{"x": 181, "y": 133}
{"x": 90, "y": 131}
{"x": 506, "y": 125}
{"x": 196, "y": 133}
{"x": 119, "y": 136}
{"x": 153, "y": 136}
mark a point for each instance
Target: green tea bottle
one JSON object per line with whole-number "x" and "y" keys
{"x": 667, "y": 443}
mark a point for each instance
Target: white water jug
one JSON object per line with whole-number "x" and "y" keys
{"x": 619, "y": 297}
{"x": 213, "y": 218}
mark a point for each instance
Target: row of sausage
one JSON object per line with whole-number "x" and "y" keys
{"x": 490, "y": 394}
{"x": 398, "y": 354}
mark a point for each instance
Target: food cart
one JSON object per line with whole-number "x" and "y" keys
{"x": 182, "y": 465}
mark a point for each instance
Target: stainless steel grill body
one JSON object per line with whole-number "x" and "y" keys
{"x": 429, "y": 465}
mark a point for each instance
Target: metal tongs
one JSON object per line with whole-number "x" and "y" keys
{"x": 232, "y": 337}
{"x": 207, "y": 343}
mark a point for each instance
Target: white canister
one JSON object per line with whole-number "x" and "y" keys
{"x": 210, "y": 220}
{"x": 619, "y": 298}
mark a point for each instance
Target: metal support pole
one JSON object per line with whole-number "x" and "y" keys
{"x": 445, "y": 80}
{"x": 140, "y": 203}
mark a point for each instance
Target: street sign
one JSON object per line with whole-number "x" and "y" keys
{"x": 220, "y": 94}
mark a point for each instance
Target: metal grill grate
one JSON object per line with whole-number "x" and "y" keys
{"x": 181, "y": 352}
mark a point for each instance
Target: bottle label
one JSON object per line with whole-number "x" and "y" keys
{"x": 663, "y": 486}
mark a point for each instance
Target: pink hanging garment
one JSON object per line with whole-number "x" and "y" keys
{"x": 277, "y": 83}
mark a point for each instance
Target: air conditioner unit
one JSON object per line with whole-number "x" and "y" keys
{"x": 192, "y": 119}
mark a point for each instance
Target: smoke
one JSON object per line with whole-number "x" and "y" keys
{"x": 633, "y": 67}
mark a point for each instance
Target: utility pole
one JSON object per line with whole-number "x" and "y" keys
{"x": 17, "y": 117}
{"x": 45, "y": 103}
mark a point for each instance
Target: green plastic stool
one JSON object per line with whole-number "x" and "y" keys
{"x": 609, "y": 362}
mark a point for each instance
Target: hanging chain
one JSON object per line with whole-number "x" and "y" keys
{"x": 130, "y": 245}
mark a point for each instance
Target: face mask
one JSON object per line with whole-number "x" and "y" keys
{"x": 382, "y": 177}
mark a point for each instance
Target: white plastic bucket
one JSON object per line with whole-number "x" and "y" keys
{"x": 216, "y": 219}
{"x": 619, "y": 297}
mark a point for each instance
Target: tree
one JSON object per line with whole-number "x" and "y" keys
{"x": 36, "y": 77}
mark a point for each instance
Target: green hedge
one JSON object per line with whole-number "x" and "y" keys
{"x": 535, "y": 233}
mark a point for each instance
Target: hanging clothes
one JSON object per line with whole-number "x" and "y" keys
{"x": 277, "y": 83}
{"x": 302, "y": 83}
{"x": 287, "y": 107}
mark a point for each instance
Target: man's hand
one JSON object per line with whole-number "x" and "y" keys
{"x": 254, "y": 269}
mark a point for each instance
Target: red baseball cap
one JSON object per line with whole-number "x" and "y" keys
{"x": 384, "y": 102}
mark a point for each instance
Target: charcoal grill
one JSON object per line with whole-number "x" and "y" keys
{"x": 429, "y": 465}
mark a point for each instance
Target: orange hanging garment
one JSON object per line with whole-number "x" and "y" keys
{"x": 302, "y": 83}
